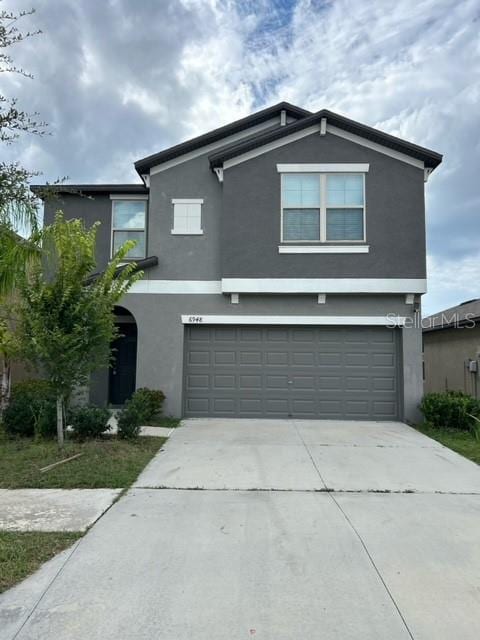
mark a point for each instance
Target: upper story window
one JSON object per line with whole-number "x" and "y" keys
{"x": 323, "y": 207}
{"x": 128, "y": 223}
{"x": 187, "y": 216}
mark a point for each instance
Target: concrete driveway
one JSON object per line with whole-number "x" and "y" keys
{"x": 274, "y": 530}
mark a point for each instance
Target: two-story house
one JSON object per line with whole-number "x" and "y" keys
{"x": 284, "y": 259}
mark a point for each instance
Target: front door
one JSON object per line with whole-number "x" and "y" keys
{"x": 123, "y": 369}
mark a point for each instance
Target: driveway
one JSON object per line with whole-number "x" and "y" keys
{"x": 274, "y": 530}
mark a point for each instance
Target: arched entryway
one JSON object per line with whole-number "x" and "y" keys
{"x": 123, "y": 371}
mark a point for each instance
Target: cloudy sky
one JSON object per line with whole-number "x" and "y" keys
{"x": 120, "y": 79}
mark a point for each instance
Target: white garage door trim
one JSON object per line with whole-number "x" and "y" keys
{"x": 384, "y": 321}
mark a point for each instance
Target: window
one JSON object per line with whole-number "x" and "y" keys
{"x": 319, "y": 207}
{"x": 128, "y": 223}
{"x": 187, "y": 216}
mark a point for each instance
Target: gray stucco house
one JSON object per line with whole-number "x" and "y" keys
{"x": 284, "y": 259}
{"x": 451, "y": 349}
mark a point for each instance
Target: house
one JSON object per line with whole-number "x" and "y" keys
{"x": 284, "y": 259}
{"x": 451, "y": 347}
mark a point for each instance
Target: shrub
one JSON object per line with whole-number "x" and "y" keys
{"x": 451, "y": 409}
{"x": 32, "y": 410}
{"x": 144, "y": 405}
{"x": 88, "y": 422}
{"x": 129, "y": 421}
{"x": 148, "y": 403}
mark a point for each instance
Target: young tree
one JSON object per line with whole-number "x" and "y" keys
{"x": 67, "y": 322}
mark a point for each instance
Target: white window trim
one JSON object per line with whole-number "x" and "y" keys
{"x": 324, "y": 168}
{"x": 323, "y": 214}
{"x": 132, "y": 196}
{"x": 197, "y": 232}
{"x": 143, "y": 229}
{"x": 361, "y": 248}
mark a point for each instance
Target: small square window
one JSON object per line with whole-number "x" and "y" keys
{"x": 187, "y": 217}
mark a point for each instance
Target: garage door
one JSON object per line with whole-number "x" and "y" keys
{"x": 302, "y": 372}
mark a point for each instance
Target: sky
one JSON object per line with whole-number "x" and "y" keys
{"x": 120, "y": 79}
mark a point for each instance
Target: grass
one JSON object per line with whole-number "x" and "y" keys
{"x": 105, "y": 463}
{"x": 462, "y": 442}
{"x": 22, "y": 553}
{"x": 169, "y": 422}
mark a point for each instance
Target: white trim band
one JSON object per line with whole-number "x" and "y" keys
{"x": 177, "y": 286}
{"x": 187, "y": 200}
{"x": 324, "y": 168}
{"x": 390, "y": 321}
{"x": 327, "y": 248}
{"x": 325, "y": 285}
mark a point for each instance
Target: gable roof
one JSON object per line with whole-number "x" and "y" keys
{"x": 431, "y": 158}
{"x": 461, "y": 315}
{"x": 143, "y": 165}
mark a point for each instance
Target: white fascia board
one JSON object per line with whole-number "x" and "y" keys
{"x": 364, "y": 142}
{"x": 270, "y": 146}
{"x": 327, "y": 248}
{"x": 324, "y": 285}
{"x": 388, "y": 321}
{"x": 128, "y": 196}
{"x": 212, "y": 146}
{"x": 352, "y": 167}
{"x": 177, "y": 286}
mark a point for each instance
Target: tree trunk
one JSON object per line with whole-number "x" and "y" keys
{"x": 60, "y": 420}
{"x": 5, "y": 385}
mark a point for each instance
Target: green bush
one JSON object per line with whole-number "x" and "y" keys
{"x": 32, "y": 410}
{"x": 450, "y": 409}
{"x": 129, "y": 421}
{"x": 148, "y": 402}
{"x": 88, "y": 422}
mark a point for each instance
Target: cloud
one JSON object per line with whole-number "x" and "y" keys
{"x": 119, "y": 79}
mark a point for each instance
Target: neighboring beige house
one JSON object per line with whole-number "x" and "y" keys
{"x": 451, "y": 346}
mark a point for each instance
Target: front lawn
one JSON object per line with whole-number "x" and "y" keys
{"x": 462, "y": 442}
{"x": 23, "y": 553}
{"x": 168, "y": 422}
{"x": 105, "y": 463}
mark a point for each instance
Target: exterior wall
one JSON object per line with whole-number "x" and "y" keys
{"x": 445, "y": 354}
{"x": 395, "y": 216}
{"x": 161, "y": 333}
{"x": 185, "y": 257}
{"x": 95, "y": 208}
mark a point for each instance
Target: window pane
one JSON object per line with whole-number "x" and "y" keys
{"x": 301, "y": 190}
{"x": 119, "y": 237}
{"x": 187, "y": 218}
{"x": 301, "y": 224}
{"x": 344, "y": 224}
{"x": 344, "y": 189}
{"x": 129, "y": 214}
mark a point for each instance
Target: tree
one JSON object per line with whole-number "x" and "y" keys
{"x": 67, "y": 322}
{"x": 18, "y": 205}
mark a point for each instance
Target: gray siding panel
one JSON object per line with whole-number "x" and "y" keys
{"x": 304, "y": 372}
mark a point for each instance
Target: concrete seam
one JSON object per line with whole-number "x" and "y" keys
{"x": 357, "y": 534}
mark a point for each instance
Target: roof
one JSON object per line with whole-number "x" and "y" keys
{"x": 143, "y": 165}
{"x": 52, "y": 189}
{"x": 458, "y": 316}
{"x": 139, "y": 265}
{"x": 431, "y": 158}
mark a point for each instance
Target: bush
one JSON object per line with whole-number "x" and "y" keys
{"x": 144, "y": 405}
{"x": 88, "y": 422}
{"x": 32, "y": 410}
{"x": 450, "y": 409}
{"x": 148, "y": 403}
{"x": 129, "y": 421}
